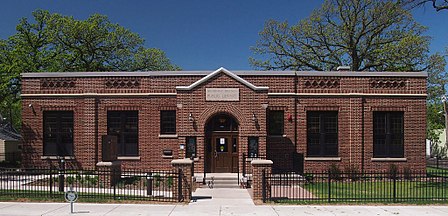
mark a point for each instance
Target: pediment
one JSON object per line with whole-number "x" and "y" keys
{"x": 227, "y": 72}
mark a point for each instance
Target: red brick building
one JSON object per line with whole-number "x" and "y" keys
{"x": 302, "y": 121}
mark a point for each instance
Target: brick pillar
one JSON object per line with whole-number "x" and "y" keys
{"x": 257, "y": 171}
{"x": 187, "y": 183}
{"x": 109, "y": 173}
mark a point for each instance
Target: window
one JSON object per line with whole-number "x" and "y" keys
{"x": 322, "y": 134}
{"x": 58, "y": 133}
{"x": 168, "y": 122}
{"x": 388, "y": 134}
{"x": 275, "y": 122}
{"x": 253, "y": 147}
{"x": 124, "y": 125}
{"x": 191, "y": 147}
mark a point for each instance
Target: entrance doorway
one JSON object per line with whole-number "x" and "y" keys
{"x": 222, "y": 151}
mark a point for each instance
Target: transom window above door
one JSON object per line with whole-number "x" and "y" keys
{"x": 223, "y": 122}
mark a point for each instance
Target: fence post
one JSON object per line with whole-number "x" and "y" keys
{"x": 51, "y": 180}
{"x": 149, "y": 183}
{"x": 329, "y": 187}
{"x": 179, "y": 185}
{"x": 395, "y": 189}
{"x": 61, "y": 175}
{"x": 115, "y": 185}
{"x": 244, "y": 164}
{"x": 263, "y": 186}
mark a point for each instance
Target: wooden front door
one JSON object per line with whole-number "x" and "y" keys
{"x": 224, "y": 153}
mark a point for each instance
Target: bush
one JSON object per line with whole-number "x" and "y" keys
{"x": 393, "y": 171}
{"x": 169, "y": 182}
{"x": 334, "y": 172}
{"x": 353, "y": 173}
{"x": 70, "y": 180}
{"x": 309, "y": 178}
{"x": 407, "y": 173}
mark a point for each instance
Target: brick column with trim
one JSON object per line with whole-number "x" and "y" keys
{"x": 187, "y": 182}
{"x": 257, "y": 171}
{"x": 109, "y": 173}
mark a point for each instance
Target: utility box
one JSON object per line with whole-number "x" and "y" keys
{"x": 110, "y": 148}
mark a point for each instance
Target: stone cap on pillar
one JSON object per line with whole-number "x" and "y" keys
{"x": 108, "y": 164}
{"x": 261, "y": 162}
{"x": 185, "y": 161}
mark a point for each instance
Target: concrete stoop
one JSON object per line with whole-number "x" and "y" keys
{"x": 219, "y": 180}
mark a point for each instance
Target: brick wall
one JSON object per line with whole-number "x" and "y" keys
{"x": 350, "y": 96}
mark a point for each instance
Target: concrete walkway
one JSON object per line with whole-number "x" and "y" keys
{"x": 213, "y": 202}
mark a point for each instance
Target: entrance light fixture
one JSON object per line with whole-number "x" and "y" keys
{"x": 254, "y": 118}
{"x": 190, "y": 117}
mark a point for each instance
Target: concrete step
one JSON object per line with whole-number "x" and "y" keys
{"x": 220, "y": 180}
{"x": 235, "y": 186}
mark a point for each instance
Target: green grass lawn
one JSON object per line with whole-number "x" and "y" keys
{"x": 381, "y": 191}
{"x": 44, "y": 196}
{"x": 438, "y": 172}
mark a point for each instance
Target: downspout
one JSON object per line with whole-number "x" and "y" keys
{"x": 350, "y": 129}
{"x": 362, "y": 134}
{"x": 296, "y": 100}
{"x": 96, "y": 131}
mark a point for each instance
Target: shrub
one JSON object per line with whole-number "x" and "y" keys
{"x": 334, "y": 172}
{"x": 157, "y": 178}
{"x": 393, "y": 171}
{"x": 169, "y": 181}
{"x": 70, "y": 180}
{"x": 309, "y": 178}
{"x": 407, "y": 173}
{"x": 352, "y": 173}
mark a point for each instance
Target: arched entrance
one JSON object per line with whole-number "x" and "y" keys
{"x": 221, "y": 132}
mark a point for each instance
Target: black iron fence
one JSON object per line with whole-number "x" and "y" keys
{"x": 405, "y": 187}
{"x": 437, "y": 163}
{"x": 92, "y": 184}
{"x": 246, "y": 159}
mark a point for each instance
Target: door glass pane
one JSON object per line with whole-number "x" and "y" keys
{"x": 221, "y": 144}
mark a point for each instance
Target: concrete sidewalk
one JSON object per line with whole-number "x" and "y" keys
{"x": 213, "y": 202}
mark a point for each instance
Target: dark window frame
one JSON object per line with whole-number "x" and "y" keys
{"x": 125, "y": 125}
{"x": 322, "y": 133}
{"x": 276, "y": 122}
{"x": 62, "y": 133}
{"x": 388, "y": 139}
{"x": 188, "y": 154}
{"x": 167, "y": 121}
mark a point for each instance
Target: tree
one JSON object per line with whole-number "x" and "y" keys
{"x": 436, "y": 106}
{"x": 53, "y": 42}
{"x": 436, "y": 4}
{"x": 367, "y": 35}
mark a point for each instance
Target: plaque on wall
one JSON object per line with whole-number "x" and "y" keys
{"x": 222, "y": 94}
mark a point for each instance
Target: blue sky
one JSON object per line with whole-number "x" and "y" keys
{"x": 199, "y": 35}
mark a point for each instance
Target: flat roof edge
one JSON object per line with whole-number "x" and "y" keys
{"x": 239, "y": 73}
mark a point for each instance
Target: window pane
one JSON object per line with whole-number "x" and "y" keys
{"x": 322, "y": 133}
{"x": 58, "y": 133}
{"x": 124, "y": 125}
{"x": 388, "y": 134}
{"x": 191, "y": 147}
{"x": 275, "y": 122}
{"x": 222, "y": 145}
{"x": 168, "y": 122}
{"x": 253, "y": 146}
